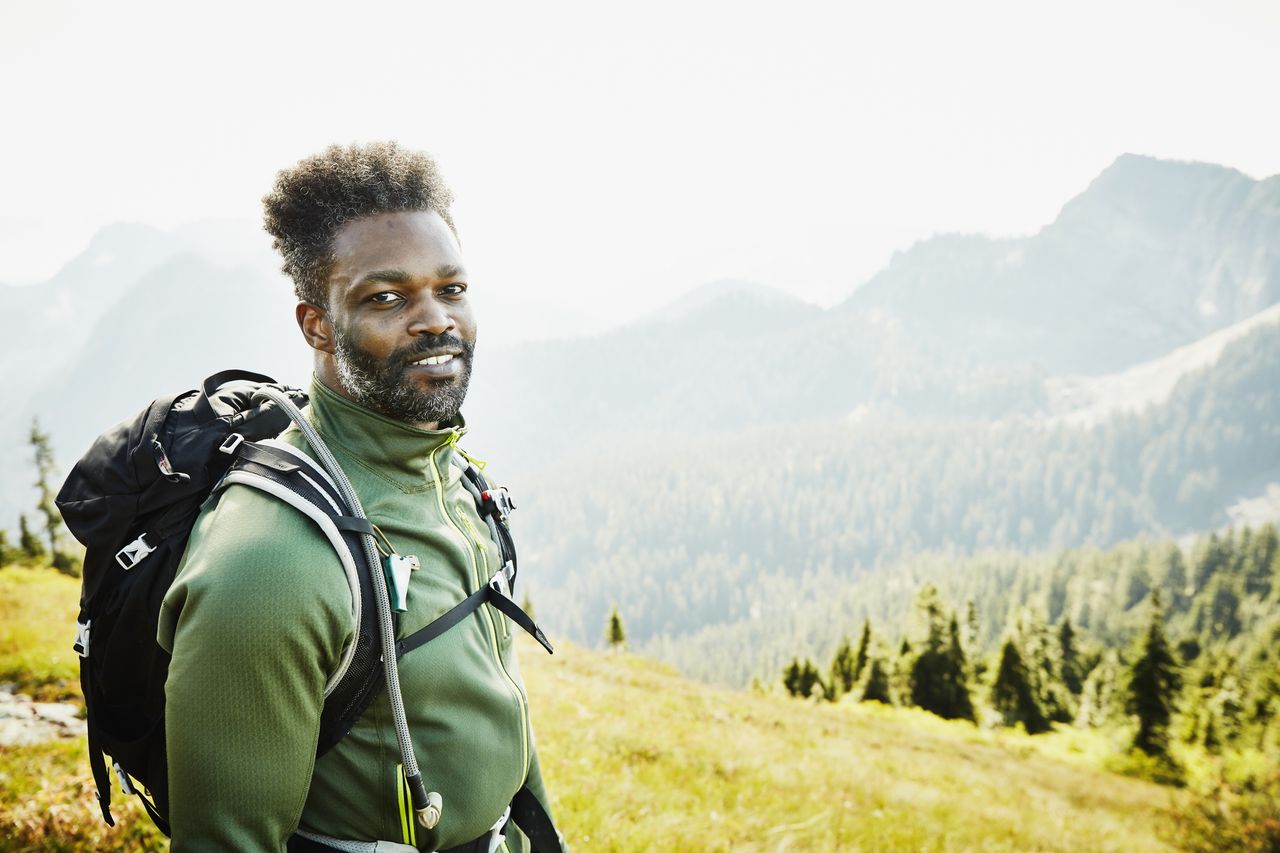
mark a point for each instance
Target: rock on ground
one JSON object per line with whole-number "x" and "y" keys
{"x": 24, "y": 721}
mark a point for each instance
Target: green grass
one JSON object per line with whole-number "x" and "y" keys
{"x": 638, "y": 759}
{"x": 47, "y": 803}
{"x": 38, "y": 610}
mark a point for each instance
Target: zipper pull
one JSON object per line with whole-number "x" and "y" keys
{"x": 397, "y": 569}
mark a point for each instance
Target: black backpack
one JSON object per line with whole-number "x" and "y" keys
{"x": 132, "y": 500}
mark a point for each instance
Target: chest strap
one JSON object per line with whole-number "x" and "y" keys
{"x": 494, "y": 594}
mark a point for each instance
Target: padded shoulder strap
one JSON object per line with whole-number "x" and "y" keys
{"x": 290, "y": 476}
{"x": 281, "y": 476}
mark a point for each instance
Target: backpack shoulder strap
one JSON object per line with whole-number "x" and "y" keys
{"x": 494, "y": 505}
{"x": 289, "y": 475}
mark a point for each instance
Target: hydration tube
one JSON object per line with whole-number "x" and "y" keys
{"x": 426, "y": 805}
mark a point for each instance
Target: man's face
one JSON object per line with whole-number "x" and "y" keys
{"x": 398, "y": 333}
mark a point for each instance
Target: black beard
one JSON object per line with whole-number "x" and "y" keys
{"x": 383, "y": 387}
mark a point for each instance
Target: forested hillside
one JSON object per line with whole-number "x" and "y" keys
{"x": 1175, "y": 658}
{"x": 1219, "y": 590}
{"x": 713, "y": 533}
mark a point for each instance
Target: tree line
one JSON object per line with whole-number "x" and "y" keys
{"x": 1189, "y": 653}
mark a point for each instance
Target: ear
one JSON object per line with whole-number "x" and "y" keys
{"x": 315, "y": 325}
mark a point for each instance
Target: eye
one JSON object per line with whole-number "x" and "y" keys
{"x": 386, "y": 297}
{"x": 458, "y": 288}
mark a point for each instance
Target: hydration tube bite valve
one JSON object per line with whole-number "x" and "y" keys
{"x": 427, "y": 806}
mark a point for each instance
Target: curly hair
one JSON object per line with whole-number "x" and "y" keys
{"x": 310, "y": 202}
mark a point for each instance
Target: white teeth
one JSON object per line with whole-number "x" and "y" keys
{"x": 436, "y": 359}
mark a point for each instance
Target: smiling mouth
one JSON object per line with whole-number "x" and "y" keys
{"x": 433, "y": 360}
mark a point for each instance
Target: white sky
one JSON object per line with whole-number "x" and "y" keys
{"x": 607, "y": 157}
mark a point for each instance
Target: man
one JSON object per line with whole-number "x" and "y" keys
{"x": 260, "y": 613}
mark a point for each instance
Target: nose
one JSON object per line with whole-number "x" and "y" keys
{"x": 432, "y": 318}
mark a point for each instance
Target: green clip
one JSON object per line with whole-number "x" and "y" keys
{"x": 397, "y": 570}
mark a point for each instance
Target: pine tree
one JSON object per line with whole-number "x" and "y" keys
{"x": 938, "y": 673}
{"x": 900, "y": 673}
{"x": 1098, "y": 702}
{"x": 972, "y": 639}
{"x": 46, "y": 471}
{"x": 1038, "y": 648}
{"x": 971, "y": 628}
{"x": 791, "y": 678}
{"x": 843, "y": 670}
{"x": 959, "y": 703}
{"x": 1175, "y": 578}
{"x": 1012, "y": 693}
{"x": 811, "y": 685}
{"x": 615, "y": 635}
{"x": 1154, "y": 682}
{"x": 1069, "y": 657}
{"x": 877, "y": 687}
{"x": 864, "y": 649}
{"x": 29, "y": 543}
{"x": 802, "y": 679}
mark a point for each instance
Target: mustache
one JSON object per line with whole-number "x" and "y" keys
{"x": 427, "y": 343}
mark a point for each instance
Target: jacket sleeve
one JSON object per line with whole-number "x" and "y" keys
{"x": 256, "y": 621}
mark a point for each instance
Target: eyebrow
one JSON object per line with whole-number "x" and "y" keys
{"x": 397, "y": 276}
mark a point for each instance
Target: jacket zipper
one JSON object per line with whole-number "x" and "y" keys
{"x": 474, "y": 535}
{"x": 486, "y": 615}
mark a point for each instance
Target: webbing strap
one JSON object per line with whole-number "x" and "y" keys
{"x": 518, "y": 616}
{"x": 268, "y": 457}
{"x": 533, "y": 820}
{"x": 97, "y": 763}
{"x": 154, "y": 814}
{"x": 487, "y": 594}
{"x": 350, "y": 523}
{"x": 460, "y": 611}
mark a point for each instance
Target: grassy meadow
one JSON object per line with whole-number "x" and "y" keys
{"x": 640, "y": 759}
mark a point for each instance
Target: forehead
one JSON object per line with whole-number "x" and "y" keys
{"x": 417, "y": 242}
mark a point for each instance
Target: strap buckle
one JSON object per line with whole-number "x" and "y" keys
{"x": 497, "y": 502}
{"x": 231, "y": 443}
{"x": 125, "y": 784}
{"x": 81, "y": 645}
{"x": 496, "y": 836}
{"x": 498, "y": 583}
{"x": 133, "y": 553}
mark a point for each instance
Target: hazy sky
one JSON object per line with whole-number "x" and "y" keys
{"x": 607, "y": 157}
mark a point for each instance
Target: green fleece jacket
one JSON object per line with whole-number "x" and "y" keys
{"x": 257, "y": 621}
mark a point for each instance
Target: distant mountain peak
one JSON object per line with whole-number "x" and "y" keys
{"x": 1152, "y": 255}
{"x": 725, "y": 290}
{"x": 1169, "y": 194}
{"x": 123, "y": 236}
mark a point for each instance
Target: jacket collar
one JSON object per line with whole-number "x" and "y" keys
{"x": 391, "y": 448}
